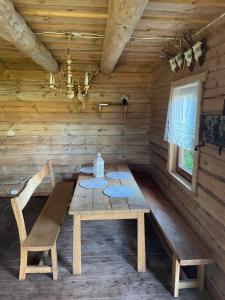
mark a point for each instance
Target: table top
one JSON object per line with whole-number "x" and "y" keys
{"x": 94, "y": 201}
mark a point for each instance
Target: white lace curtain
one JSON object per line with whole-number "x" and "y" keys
{"x": 181, "y": 116}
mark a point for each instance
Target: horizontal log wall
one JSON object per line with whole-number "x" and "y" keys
{"x": 205, "y": 211}
{"x": 36, "y": 126}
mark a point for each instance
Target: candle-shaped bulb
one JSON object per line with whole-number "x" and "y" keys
{"x": 86, "y": 79}
{"x": 51, "y": 81}
{"x": 69, "y": 77}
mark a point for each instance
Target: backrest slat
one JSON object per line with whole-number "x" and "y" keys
{"x": 31, "y": 186}
{"x": 51, "y": 174}
{"x": 19, "y": 220}
{"x": 19, "y": 202}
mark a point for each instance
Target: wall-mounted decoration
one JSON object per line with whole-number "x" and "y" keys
{"x": 185, "y": 53}
{"x": 213, "y": 130}
{"x": 123, "y": 104}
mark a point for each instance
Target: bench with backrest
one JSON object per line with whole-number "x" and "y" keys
{"x": 184, "y": 245}
{"x": 44, "y": 232}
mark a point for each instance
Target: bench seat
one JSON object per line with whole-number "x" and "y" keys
{"x": 46, "y": 229}
{"x": 186, "y": 247}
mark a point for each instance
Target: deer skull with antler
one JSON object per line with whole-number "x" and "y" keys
{"x": 170, "y": 56}
{"x": 180, "y": 56}
{"x": 189, "y": 54}
{"x": 198, "y": 50}
{"x": 193, "y": 52}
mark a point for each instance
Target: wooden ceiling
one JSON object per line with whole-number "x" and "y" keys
{"x": 161, "y": 19}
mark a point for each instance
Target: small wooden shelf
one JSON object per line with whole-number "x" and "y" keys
{"x": 124, "y": 107}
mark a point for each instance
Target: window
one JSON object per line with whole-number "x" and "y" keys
{"x": 182, "y": 129}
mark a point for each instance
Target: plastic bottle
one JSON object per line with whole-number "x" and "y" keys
{"x": 99, "y": 170}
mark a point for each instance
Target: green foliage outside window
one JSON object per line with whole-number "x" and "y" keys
{"x": 187, "y": 161}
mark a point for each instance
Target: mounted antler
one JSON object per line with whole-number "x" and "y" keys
{"x": 169, "y": 50}
{"x": 180, "y": 56}
{"x": 188, "y": 38}
{"x": 170, "y": 56}
{"x": 193, "y": 52}
{"x": 165, "y": 54}
{"x": 179, "y": 44}
{"x": 188, "y": 54}
{"x": 200, "y": 49}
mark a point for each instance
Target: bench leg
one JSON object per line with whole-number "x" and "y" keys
{"x": 200, "y": 278}
{"x": 175, "y": 276}
{"x": 23, "y": 263}
{"x": 76, "y": 244}
{"x": 141, "y": 266}
{"x": 54, "y": 262}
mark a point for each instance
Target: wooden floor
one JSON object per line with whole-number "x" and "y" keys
{"x": 108, "y": 263}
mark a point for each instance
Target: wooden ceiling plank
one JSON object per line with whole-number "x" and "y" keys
{"x": 219, "y": 3}
{"x": 63, "y": 14}
{"x": 66, "y": 27}
{"x": 186, "y": 6}
{"x": 15, "y": 30}
{"x": 193, "y": 20}
{"x": 84, "y": 22}
{"x": 63, "y": 3}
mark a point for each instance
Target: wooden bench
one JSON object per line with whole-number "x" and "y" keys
{"x": 47, "y": 226}
{"x": 184, "y": 246}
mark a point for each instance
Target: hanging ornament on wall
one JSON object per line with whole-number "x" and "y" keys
{"x": 199, "y": 49}
{"x": 213, "y": 130}
{"x": 186, "y": 56}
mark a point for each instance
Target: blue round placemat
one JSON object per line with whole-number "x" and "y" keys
{"x": 118, "y": 191}
{"x": 95, "y": 183}
{"x": 118, "y": 175}
{"x": 87, "y": 170}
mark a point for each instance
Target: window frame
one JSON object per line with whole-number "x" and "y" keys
{"x": 186, "y": 181}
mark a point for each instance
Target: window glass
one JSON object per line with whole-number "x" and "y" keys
{"x": 181, "y": 116}
{"x": 185, "y": 160}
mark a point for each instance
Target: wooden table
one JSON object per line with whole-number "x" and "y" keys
{"x": 92, "y": 204}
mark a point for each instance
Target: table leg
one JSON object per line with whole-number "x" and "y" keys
{"x": 76, "y": 244}
{"x": 141, "y": 260}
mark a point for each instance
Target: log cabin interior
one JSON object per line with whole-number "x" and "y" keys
{"x": 143, "y": 84}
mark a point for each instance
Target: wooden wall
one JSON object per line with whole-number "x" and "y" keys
{"x": 36, "y": 126}
{"x": 204, "y": 211}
